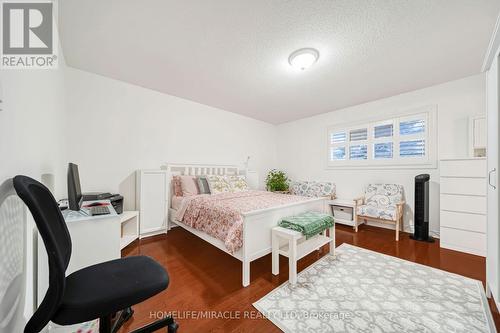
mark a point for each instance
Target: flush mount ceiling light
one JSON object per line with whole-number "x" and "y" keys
{"x": 302, "y": 59}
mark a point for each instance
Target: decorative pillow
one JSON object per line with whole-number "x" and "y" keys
{"x": 176, "y": 181}
{"x": 295, "y": 187}
{"x": 238, "y": 183}
{"x": 203, "y": 185}
{"x": 189, "y": 186}
{"x": 313, "y": 188}
{"x": 218, "y": 184}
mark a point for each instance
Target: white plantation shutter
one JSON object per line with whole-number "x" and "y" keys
{"x": 339, "y": 137}
{"x": 383, "y": 131}
{"x": 413, "y": 148}
{"x": 337, "y": 153}
{"x": 359, "y": 134}
{"x": 383, "y": 150}
{"x": 403, "y": 140}
{"x": 358, "y": 152}
{"x": 410, "y": 127}
{"x": 338, "y": 148}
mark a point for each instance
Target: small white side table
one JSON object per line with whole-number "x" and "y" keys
{"x": 294, "y": 245}
{"x": 346, "y": 207}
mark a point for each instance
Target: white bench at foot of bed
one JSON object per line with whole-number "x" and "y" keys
{"x": 296, "y": 247}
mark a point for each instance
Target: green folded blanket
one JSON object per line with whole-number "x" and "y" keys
{"x": 308, "y": 223}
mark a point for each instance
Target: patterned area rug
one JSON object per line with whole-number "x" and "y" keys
{"x": 365, "y": 291}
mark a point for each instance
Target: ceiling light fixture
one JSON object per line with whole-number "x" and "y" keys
{"x": 302, "y": 59}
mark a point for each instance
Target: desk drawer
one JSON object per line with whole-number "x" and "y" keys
{"x": 468, "y": 186}
{"x": 463, "y": 203}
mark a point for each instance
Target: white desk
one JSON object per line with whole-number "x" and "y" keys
{"x": 95, "y": 239}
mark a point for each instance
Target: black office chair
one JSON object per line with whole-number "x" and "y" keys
{"x": 99, "y": 291}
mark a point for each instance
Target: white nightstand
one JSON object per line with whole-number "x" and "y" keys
{"x": 344, "y": 212}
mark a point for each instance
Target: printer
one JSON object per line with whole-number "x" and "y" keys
{"x": 117, "y": 203}
{"x": 115, "y": 199}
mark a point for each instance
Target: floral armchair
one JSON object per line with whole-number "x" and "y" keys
{"x": 313, "y": 189}
{"x": 382, "y": 203}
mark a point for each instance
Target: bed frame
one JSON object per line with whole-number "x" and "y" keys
{"x": 257, "y": 224}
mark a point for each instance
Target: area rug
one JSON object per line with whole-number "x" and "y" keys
{"x": 365, "y": 291}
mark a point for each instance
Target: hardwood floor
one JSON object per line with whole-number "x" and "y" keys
{"x": 204, "y": 279}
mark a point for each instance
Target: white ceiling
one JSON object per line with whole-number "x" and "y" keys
{"x": 232, "y": 54}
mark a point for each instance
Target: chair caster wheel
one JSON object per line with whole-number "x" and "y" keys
{"x": 172, "y": 328}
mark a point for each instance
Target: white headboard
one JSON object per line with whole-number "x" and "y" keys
{"x": 200, "y": 169}
{"x": 194, "y": 170}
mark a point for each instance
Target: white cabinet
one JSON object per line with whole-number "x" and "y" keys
{"x": 151, "y": 202}
{"x": 493, "y": 106}
{"x": 478, "y": 135}
{"x": 463, "y": 205}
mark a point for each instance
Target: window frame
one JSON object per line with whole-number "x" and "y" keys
{"x": 429, "y": 114}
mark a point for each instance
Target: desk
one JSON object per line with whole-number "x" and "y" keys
{"x": 95, "y": 239}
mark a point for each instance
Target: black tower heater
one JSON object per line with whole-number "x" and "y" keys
{"x": 421, "y": 232}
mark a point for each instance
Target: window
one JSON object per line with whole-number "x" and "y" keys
{"x": 338, "y": 137}
{"x": 411, "y": 127}
{"x": 402, "y": 140}
{"x": 337, "y": 153}
{"x": 382, "y": 150}
{"x": 358, "y": 152}
{"x": 414, "y": 148}
{"x": 412, "y": 137}
{"x": 358, "y": 134}
{"x": 383, "y": 131}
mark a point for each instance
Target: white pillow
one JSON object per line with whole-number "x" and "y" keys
{"x": 218, "y": 184}
{"x": 238, "y": 183}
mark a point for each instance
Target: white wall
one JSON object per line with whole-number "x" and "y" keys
{"x": 113, "y": 128}
{"x": 302, "y": 144}
{"x": 116, "y": 128}
{"x": 32, "y": 125}
{"x": 32, "y": 137}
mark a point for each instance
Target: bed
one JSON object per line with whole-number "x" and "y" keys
{"x": 256, "y": 224}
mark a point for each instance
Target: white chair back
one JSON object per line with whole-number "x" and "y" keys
{"x": 383, "y": 195}
{"x": 313, "y": 188}
{"x": 13, "y": 277}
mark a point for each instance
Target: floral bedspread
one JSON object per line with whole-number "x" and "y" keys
{"x": 219, "y": 215}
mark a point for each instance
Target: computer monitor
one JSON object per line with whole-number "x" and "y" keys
{"x": 75, "y": 197}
